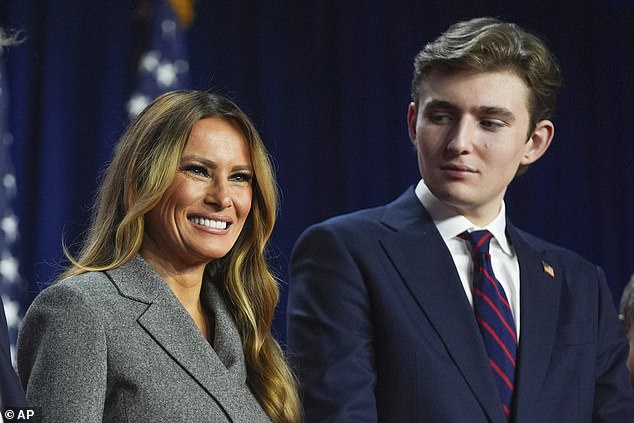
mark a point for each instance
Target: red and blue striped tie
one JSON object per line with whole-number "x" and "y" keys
{"x": 494, "y": 316}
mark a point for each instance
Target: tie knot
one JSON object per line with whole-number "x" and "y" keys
{"x": 479, "y": 240}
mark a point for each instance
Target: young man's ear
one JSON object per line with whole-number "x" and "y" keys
{"x": 539, "y": 141}
{"x": 411, "y": 121}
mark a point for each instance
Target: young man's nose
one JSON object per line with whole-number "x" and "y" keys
{"x": 461, "y": 136}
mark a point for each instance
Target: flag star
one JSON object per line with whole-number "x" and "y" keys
{"x": 9, "y": 182}
{"x": 166, "y": 74}
{"x": 150, "y": 60}
{"x": 9, "y": 268}
{"x": 168, "y": 27}
{"x": 9, "y": 226}
{"x": 136, "y": 104}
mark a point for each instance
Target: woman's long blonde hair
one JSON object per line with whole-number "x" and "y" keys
{"x": 143, "y": 166}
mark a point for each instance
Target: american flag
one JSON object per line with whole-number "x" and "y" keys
{"x": 164, "y": 66}
{"x": 11, "y": 284}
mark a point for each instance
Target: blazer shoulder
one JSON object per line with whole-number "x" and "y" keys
{"x": 367, "y": 216}
{"x": 88, "y": 288}
{"x": 401, "y": 212}
{"x": 89, "y": 283}
{"x": 355, "y": 228}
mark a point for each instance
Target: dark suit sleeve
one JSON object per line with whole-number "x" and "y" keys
{"x": 330, "y": 330}
{"x": 613, "y": 400}
{"x": 62, "y": 357}
{"x": 11, "y": 394}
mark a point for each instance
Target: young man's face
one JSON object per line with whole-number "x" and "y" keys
{"x": 471, "y": 134}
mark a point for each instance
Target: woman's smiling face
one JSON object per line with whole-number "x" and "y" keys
{"x": 202, "y": 213}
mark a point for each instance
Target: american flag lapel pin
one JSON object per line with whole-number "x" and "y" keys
{"x": 548, "y": 269}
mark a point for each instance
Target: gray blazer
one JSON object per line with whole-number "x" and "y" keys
{"x": 118, "y": 346}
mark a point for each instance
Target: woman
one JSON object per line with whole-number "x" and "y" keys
{"x": 165, "y": 314}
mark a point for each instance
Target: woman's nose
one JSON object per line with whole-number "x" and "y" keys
{"x": 218, "y": 194}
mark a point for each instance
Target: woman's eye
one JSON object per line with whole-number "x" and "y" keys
{"x": 242, "y": 177}
{"x": 196, "y": 170}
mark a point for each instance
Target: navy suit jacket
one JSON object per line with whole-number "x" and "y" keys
{"x": 11, "y": 394}
{"x": 380, "y": 328}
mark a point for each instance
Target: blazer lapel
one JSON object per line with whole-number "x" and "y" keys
{"x": 169, "y": 324}
{"x": 540, "y": 291}
{"x": 421, "y": 258}
{"x": 227, "y": 341}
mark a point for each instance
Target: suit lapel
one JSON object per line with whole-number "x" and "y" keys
{"x": 169, "y": 324}
{"x": 421, "y": 258}
{"x": 540, "y": 291}
{"x": 10, "y": 389}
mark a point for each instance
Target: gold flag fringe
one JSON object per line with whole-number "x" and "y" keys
{"x": 184, "y": 10}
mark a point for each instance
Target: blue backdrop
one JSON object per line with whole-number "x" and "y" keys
{"x": 327, "y": 83}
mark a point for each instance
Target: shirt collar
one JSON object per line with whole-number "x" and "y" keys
{"x": 451, "y": 224}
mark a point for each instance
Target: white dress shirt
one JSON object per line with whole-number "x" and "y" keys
{"x": 450, "y": 224}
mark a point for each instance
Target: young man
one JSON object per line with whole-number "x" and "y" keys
{"x": 435, "y": 308}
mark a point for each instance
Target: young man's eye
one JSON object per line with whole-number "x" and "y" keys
{"x": 491, "y": 124}
{"x": 439, "y": 118}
